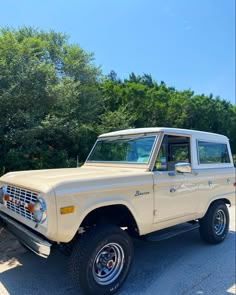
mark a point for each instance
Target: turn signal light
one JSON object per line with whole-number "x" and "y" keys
{"x": 31, "y": 208}
{"x": 6, "y": 198}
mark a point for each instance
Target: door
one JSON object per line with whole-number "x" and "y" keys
{"x": 174, "y": 196}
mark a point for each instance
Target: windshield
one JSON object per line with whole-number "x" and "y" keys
{"x": 125, "y": 150}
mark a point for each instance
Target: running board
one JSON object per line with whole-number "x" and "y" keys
{"x": 171, "y": 232}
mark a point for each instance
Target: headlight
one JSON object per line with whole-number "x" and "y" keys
{"x": 3, "y": 190}
{"x": 39, "y": 211}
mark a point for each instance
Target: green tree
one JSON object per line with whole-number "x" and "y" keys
{"x": 145, "y": 103}
{"x": 48, "y": 91}
{"x": 54, "y": 102}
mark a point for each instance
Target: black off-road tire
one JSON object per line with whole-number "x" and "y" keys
{"x": 214, "y": 226}
{"x": 91, "y": 254}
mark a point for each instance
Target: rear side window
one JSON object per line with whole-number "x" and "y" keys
{"x": 212, "y": 153}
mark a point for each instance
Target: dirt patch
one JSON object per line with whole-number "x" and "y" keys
{"x": 10, "y": 249}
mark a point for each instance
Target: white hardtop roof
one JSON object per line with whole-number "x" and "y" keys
{"x": 200, "y": 134}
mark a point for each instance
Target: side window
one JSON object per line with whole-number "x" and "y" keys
{"x": 212, "y": 153}
{"x": 174, "y": 149}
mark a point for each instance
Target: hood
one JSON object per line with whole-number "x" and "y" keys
{"x": 45, "y": 180}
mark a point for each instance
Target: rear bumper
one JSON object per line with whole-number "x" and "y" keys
{"x": 30, "y": 239}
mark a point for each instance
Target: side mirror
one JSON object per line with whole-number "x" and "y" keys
{"x": 183, "y": 168}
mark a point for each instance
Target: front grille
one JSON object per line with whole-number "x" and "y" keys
{"x": 19, "y": 199}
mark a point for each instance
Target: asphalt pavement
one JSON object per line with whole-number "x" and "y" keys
{"x": 183, "y": 265}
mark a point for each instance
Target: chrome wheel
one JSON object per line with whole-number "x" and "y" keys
{"x": 219, "y": 222}
{"x": 108, "y": 264}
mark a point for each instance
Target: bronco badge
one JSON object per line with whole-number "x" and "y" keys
{"x": 138, "y": 193}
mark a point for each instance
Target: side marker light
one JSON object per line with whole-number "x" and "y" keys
{"x": 66, "y": 210}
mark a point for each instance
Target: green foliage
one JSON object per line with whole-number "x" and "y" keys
{"x": 48, "y": 91}
{"x": 54, "y": 102}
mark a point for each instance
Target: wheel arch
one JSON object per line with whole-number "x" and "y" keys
{"x": 224, "y": 200}
{"x": 118, "y": 214}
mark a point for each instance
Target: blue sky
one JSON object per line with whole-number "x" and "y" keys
{"x": 188, "y": 44}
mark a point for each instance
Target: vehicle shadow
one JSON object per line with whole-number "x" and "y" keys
{"x": 182, "y": 265}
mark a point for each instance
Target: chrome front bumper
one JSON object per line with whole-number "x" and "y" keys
{"x": 31, "y": 240}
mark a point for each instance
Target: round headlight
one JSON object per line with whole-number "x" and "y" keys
{"x": 3, "y": 190}
{"x": 40, "y": 211}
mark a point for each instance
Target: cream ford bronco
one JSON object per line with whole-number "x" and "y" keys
{"x": 152, "y": 183}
